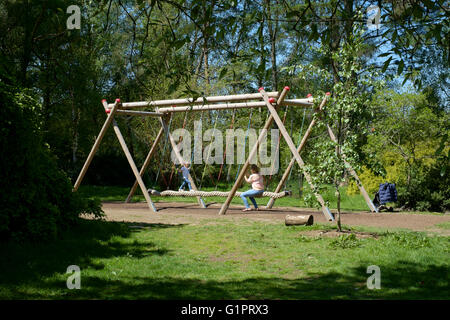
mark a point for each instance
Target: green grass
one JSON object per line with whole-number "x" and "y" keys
{"x": 221, "y": 259}
{"x": 444, "y": 225}
{"x": 107, "y": 193}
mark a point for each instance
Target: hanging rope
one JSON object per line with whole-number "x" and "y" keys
{"x": 278, "y": 147}
{"x": 298, "y": 142}
{"x": 245, "y": 140}
{"x": 209, "y": 154}
{"x": 192, "y": 171}
{"x": 224, "y": 154}
{"x": 163, "y": 155}
{"x": 181, "y": 139}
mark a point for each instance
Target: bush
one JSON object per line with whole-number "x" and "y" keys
{"x": 370, "y": 181}
{"x": 429, "y": 189}
{"x": 37, "y": 200}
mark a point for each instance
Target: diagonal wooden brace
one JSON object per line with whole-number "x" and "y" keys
{"x": 253, "y": 151}
{"x": 180, "y": 158}
{"x": 132, "y": 164}
{"x": 326, "y": 212}
{"x": 145, "y": 164}
{"x": 299, "y": 149}
{"x": 97, "y": 142}
{"x": 354, "y": 174}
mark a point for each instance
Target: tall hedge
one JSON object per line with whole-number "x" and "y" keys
{"x": 36, "y": 201}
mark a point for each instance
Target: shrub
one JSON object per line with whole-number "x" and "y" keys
{"x": 429, "y": 189}
{"x": 37, "y": 200}
{"x": 370, "y": 181}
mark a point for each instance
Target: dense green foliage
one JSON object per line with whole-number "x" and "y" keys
{"x": 37, "y": 200}
{"x": 139, "y": 50}
{"x": 409, "y": 139}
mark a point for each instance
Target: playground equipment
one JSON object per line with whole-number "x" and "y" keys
{"x": 193, "y": 193}
{"x": 163, "y": 110}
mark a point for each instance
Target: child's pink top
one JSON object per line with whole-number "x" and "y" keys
{"x": 257, "y": 181}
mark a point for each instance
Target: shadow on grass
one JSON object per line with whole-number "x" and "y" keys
{"x": 401, "y": 281}
{"x": 27, "y": 273}
{"x": 25, "y": 263}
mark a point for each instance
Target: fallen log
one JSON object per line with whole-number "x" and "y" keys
{"x": 307, "y": 220}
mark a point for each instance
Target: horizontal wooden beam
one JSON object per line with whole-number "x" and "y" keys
{"x": 139, "y": 113}
{"x": 308, "y": 102}
{"x": 191, "y": 101}
{"x": 241, "y": 105}
{"x": 221, "y": 106}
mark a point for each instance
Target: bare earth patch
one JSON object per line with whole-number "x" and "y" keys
{"x": 190, "y": 213}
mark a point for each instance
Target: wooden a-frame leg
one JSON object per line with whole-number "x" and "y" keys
{"x": 133, "y": 167}
{"x": 354, "y": 174}
{"x": 96, "y": 145}
{"x": 328, "y": 215}
{"x": 180, "y": 159}
{"x": 145, "y": 164}
{"x": 253, "y": 151}
{"x": 292, "y": 162}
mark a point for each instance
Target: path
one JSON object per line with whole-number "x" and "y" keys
{"x": 190, "y": 213}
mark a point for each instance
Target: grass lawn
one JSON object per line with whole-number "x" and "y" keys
{"x": 218, "y": 259}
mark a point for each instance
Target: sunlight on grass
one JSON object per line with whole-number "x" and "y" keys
{"x": 225, "y": 260}
{"x": 106, "y": 193}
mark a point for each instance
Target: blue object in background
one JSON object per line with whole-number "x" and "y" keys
{"x": 387, "y": 193}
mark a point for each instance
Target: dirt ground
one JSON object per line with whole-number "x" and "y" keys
{"x": 189, "y": 213}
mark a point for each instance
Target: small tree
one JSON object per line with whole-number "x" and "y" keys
{"x": 347, "y": 114}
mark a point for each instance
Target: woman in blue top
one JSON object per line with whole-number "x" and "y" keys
{"x": 256, "y": 179}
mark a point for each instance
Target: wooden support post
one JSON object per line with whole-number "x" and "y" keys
{"x": 146, "y": 164}
{"x": 253, "y": 151}
{"x": 133, "y": 167}
{"x": 296, "y": 155}
{"x": 354, "y": 174}
{"x": 97, "y": 142}
{"x": 292, "y": 162}
{"x": 179, "y": 157}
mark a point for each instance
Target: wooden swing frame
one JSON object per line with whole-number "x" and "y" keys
{"x": 163, "y": 110}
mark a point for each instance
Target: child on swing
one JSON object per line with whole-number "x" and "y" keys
{"x": 185, "y": 171}
{"x": 257, "y": 187}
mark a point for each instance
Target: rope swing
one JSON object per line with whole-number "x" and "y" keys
{"x": 192, "y": 193}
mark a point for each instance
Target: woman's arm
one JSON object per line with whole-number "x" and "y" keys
{"x": 250, "y": 179}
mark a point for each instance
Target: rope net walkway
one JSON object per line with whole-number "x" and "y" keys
{"x": 172, "y": 193}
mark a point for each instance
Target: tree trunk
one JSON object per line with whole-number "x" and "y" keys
{"x": 26, "y": 45}
{"x": 260, "y": 77}
{"x": 273, "y": 30}
{"x": 75, "y": 132}
{"x": 338, "y": 215}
